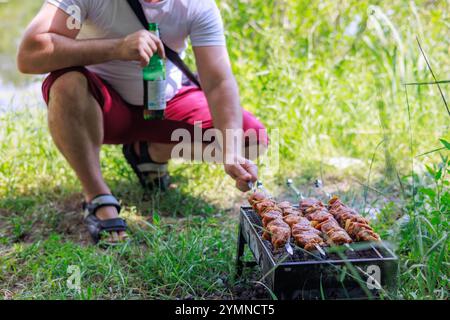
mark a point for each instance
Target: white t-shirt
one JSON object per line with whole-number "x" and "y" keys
{"x": 178, "y": 20}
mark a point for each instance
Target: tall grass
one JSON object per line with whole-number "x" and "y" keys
{"x": 423, "y": 240}
{"x": 333, "y": 92}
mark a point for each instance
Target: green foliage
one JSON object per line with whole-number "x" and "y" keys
{"x": 423, "y": 241}
{"x": 14, "y": 15}
{"x": 331, "y": 92}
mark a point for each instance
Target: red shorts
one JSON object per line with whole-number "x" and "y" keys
{"x": 124, "y": 123}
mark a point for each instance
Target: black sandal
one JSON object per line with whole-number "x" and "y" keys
{"x": 96, "y": 226}
{"x": 144, "y": 167}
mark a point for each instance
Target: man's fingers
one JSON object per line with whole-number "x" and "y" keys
{"x": 159, "y": 46}
{"x": 161, "y": 51}
{"x": 240, "y": 173}
{"x": 232, "y": 175}
{"x": 145, "y": 57}
{"x": 151, "y": 47}
{"x": 150, "y": 40}
{"x": 147, "y": 47}
{"x": 252, "y": 169}
{"x": 242, "y": 185}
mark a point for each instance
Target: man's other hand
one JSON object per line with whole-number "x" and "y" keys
{"x": 140, "y": 46}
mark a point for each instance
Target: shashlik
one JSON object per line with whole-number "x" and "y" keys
{"x": 260, "y": 203}
{"x": 271, "y": 215}
{"x": 357, "y": 226}
{"x": 278, "y": 218}
{"x": 316, "y": 212}
{"x": 275, "y": 229}
{"x": 278, "y": 232}
{"x": 308, "y": 203}
{"x": 304, "y": 234}
{"x": 312, "y": 223}
{"x": 288, "y": 209}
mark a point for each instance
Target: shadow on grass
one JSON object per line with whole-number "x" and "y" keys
{"x": 27, "y": 218}
{"x": 175, "y": 203}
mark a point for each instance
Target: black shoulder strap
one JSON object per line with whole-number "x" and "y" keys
{"x": 172, "y": 55}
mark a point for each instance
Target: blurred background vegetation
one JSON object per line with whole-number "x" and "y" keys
{"x": 328, "y": 75}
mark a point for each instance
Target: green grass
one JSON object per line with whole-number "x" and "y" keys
{"x": 328, "y": 93}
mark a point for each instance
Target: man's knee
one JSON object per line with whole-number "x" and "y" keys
{"x": 69, "y": 87}
{"x": 255, "y": 132}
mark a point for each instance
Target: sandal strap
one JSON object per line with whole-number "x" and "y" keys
{"x": 146, "y": 162}
{"x": 110, "y": 225}
{"x": 104, "y": 200}
{"x": 96, "y": 226}
{"x": 149, "y": 173}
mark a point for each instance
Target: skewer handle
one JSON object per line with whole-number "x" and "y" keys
{"x": 319, "y": 248}
{"x": 290, "y": 184}
{"x": 319, "y": 185}
{"x": 260, "y": 186}
{"x": 289, "y": 249}
{"x": 349, "y": 247}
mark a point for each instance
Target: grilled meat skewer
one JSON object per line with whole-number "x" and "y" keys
{"x": 316, "y": 212}
{"x": 304, "y": 234}
{"x": 357, "y": 226}
{"x": 276, "y": 229}
{"x": 279, "y": 218}
{"x": 278, "y": 232}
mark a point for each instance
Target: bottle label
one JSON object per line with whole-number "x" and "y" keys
{"x": 156, "y": 93}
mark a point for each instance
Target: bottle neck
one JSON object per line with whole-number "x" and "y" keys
{"x": 154, "y": 28}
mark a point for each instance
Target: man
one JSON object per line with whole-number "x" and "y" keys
{"x": 94, "y": 51}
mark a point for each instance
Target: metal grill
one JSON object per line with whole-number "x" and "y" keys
{"x": 369, "y": 271}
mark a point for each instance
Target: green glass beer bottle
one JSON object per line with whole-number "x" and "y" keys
{"x": 155, "y": 84}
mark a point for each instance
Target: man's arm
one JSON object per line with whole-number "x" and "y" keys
{"x": 222, "y": 92}
{"x": 49, "y": 45}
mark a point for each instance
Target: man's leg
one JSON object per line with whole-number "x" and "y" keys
{"x": 76, "y": 125}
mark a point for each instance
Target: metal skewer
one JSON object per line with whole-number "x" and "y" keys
{"x": 321, "y": 251}
{"x": 289, "y": 248}
{"x": 259, "y": 185}
{"x": 290, "y": 184}
{"x": 319, "y": 185}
